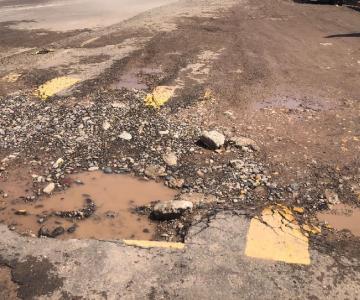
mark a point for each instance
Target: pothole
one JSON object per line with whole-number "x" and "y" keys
{"x": 342, "y": 216}
{"x": 96, "y": 205}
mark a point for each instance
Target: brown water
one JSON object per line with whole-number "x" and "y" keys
{"x": 129, "y": 81}
{"x": 115, "y": 197}
{"x": 341, "y": 217}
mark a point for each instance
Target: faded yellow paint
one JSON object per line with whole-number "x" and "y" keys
{"x": 154, "y": 244}
{"x": 277, "y": 236}
{"x": 159, "y": 96}
{"x": 54, "y": 86}
{"x": 299, "y": 210}
{"x": 311, "y": 228}
{"x": 11, "y": 77}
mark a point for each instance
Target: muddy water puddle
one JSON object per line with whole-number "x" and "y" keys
{"x": 342, "y": 217}
{"x": 136, "y": 78}
{"x": 96, "y": 205}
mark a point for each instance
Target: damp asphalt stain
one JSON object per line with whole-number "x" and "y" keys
{"x": 36, "y": 277}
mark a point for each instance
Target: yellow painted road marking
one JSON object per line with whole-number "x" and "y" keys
{"x": 154, "y": 244}
{"x": 277, "y": 236}
{"x": 54, "y": 86}
{"x": 159, "y": 96}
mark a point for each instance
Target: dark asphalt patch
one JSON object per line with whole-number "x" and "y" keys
{"x": 35, "y": 277}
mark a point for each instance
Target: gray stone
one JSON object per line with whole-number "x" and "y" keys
{"x": 154, "y": 171}
{"x": 170, "y": 159}
{"x": 170, "y": 209}
{"x": 242, "y": 141}
{"x": 212, "y": 139}
{"x": 49, "y": 188}
{"x": 125, "y": 136}
{"x": 107, "y": 170}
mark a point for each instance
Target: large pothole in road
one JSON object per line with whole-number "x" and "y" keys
{"x": 96, "y": 205}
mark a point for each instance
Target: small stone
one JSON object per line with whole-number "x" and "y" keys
{"x": 170, "y": 158}
{"x": 331, "y": 197}
{"x": 125, "y": 136}
{"x": 72, "y": 228}
{"x": 58, "y": 163}
{"x": 244, "y": 142}
{"x": 21, "y": 212}
{"x": 57, "y": 231}
{"x": 106, "y": 125}
{"x": 107, "y": 170}
{"x": 94, "y": 168}
{"x": 170, "y": 210}
{"x": 154, "y": 171}
{"x": 49, "y": 188}
{"x": 176, "y": 182}
{"x": 212, "y": 139}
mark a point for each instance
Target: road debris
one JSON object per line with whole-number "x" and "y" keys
{"x": 212, "y": 139}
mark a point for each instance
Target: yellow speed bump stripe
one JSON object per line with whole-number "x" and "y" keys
{"x": 159, "y": 96}
{"x": 277, "y": 236}
{"x": 54, "y": 86}
{"x": 154, "y": 244}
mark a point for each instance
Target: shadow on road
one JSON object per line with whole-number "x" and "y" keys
{"x": 352, "y": 4}
{"x": 357, "y": 34}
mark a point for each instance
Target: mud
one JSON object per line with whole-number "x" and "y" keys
{"x": 8, "y": 289}
{"x": 342, "y": 216}
{"x": 114, "y": 198}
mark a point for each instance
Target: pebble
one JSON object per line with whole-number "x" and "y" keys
{"x": 125, "y": 136}
{"x": 94, "y": 168}
{"x": 170, "y": 158}
{"x": 154, "y": 171}
{"x": 49, "y": 188}
{"x": 212, "y": 139}
{"x": 242, "y": 141}
{"x": 58, "y": 163}
{"x": 107, "y": 170}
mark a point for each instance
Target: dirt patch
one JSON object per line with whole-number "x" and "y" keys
{"x": 96, "y": 205}
{"x": 342, "y": 217}
{"x": 8, "y": 289}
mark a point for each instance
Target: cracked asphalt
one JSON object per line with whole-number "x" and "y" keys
{"x": 284, "y": 74}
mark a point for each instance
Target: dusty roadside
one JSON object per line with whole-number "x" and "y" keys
{"x": 279, "y": 83}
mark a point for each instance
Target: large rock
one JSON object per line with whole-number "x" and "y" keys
{"x": 241, "y": 141}
{"x": 212, "y": 139}
{"x": 170, "y": 209}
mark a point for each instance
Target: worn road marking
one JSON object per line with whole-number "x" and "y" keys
{"x": 154, "y": 244}
{"x": 159, "y": 96}
{"x": 277, "y": 236}
{"x": 11, "y": 77}
{"x": 54, "y": 86}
